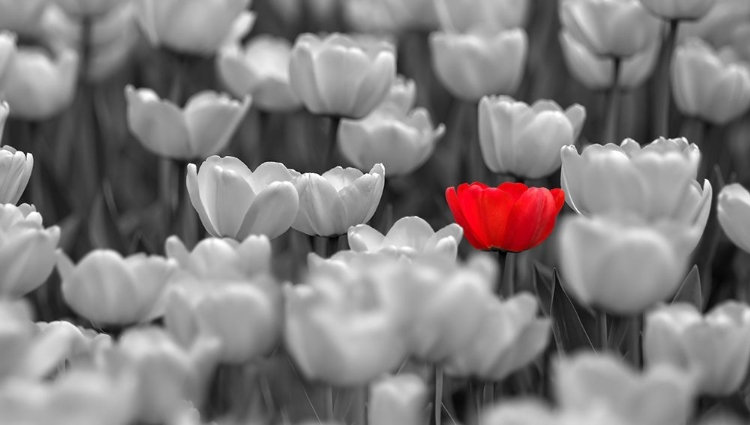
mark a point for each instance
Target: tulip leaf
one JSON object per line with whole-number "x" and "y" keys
{"x": 542, "y": 280}
{"x": 690, "y": 290}
{"x": 571, "y": 324}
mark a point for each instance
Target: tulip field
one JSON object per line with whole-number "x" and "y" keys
{"x": 374, "y": 212}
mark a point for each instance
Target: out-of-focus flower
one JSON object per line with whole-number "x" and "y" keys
{"x": 338, "y": 76}
{"x": 509, "y": 337}
{"x": 22, "y": 17}
{"x": 108, "y": 289}
{"x": 261, "y": 69}
{"x": 7, "y": 51}
{"x": 4, "y": 112}
{"x": 596, "y": 72}
{"x": 84, "y": 8}
{"x": 480, "y": 62}
{"x": 15, "y": 171}
{"x": 61, "y": 344}
{"x": 713, "y": 86}
{"x": 463, "y": 15}
{"x": 201, "y": 129}
{"x": 401, "y": 141}
{"x": 614, "y": 28}
{"x": 401, "y": 97}
{"x": 339, "y": 198}
{"x": 533, "y": 412}
{"x": 740, "y": 41}
{"x": 655, "y": 182}
{"x": 525, "y": 140}
{"x": 234, "y": 202}
{"x": 16, "y": 337}
{"x": 714, "y": 348}
{"x": 410, "y": 236}
{"x": 243, "y": 316}
{"x": 511, "y": 217}
{"x": 340, "y": 331}
{"x": 215, "y": 258}
{"x": 27, "y": 250}
{"x": 719, "y": 24}
{"x": 38, "y": 86}
{"x": 622, "y": 268}
{"x": 659, "y": 395}
{"x": 733, "y": 211}
{"x": 398, "y": 399}
{"x": 679, "y": 9}
{"x": 194, "y": 26}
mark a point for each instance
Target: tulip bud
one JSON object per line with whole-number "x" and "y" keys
{"x": 713, "y": 86}
{"x": 108, "y": 289}
{"x": 339, "y": 198}
{"x": 508, "y": 338}
{"x": 479, "y": 63}
{"x": 511, "y": 217}
{"x": 38, "y": 86}
{"x": 220, "y": 309}
{"x": 234, "y": 202}
{"x": 401, "y": 143}
{"x": 261, "y": 69}
{"x": 653, "y": 183}
{"x": 733, "y": 211}
{"x": 614, "y": 28}
{"x": 679, "y": 10}
{"x": 15, "y": 171}
{"x": 22, "y": 17}
{"x": 398, "y": 399}
{"x": 714, "y": 348}
{"x": 622, "y": 268}
{"x": 524, "y": 140}
{"x": 215, "y": 258}
{"x": 462, "y": 15}
{"x": 402, "y": 96}
{"x": 656, "y": 396}
{"x": 172, "y": 23}
{"x": 84, "y": 8}
{"x": 201, "y": 129}
{"x": 163, "y": 370}
{"x": 596, "y": 72}
{"x": 410, "y": 236}
{"x": 317, "y": 77}
{"x": 27, "y": 250}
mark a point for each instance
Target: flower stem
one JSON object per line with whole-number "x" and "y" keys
{"x": 506, "y": 262}
{"x": 634, "y": 344}
{"x": 329, "y": 403}
{"x": 663, "y": 94}
{"x": 438, "y": 407}
{"x": 333, "y": 130}
{"x": 601, "y": 325}
{"x": 613, "y": 105}
{"x": 361, "y": 405}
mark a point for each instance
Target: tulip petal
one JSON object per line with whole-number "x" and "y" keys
{"x": 272, "y": 212}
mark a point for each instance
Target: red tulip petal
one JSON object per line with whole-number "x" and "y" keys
{"x": 550, "y": 215}
{"x": 496, "y": 206}
{"x": 515, "y": 190}
{"x": 527, "y": 219}
{"x": 455, "y": 206}
{"x": 470, "y": 197}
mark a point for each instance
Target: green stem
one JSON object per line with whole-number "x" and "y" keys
{"x": 333, "y": 130}
{"x": 361, "y": 405}
{"x": 438, "y": 407}
{"x": 663, "y": 97}
{"x": 601, "y": 324}
{"x": 634, "y": 345}
{"x": 613, "y": 105}
{"x": 329, "y": 403}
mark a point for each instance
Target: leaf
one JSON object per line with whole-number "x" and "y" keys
{"x": 104, "y": 232}
{"x": 543, "y": 282}
{"x": 571, "y": 325}
{"x": 690, "y": 290}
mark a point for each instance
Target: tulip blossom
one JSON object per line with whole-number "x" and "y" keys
{"x": 36, "y": 85}
{"x": 509, "y": 337}
{"x": 15, "y": 171}
{"x": 463, "y": 15}
{"x": 261, "y": 69}
{"x": 622, "y": 267}
{"x": 201, "y": 129}
{"x": 108, "y": 289}
{"x": 84, "y": 8}
{"x": 480, "y": 62}
{"x": 339, "y": 198}
{"x": 596, "y": 72}
{"x": 234, "y": 202}
{"x": 172, "y": 23}
{"x": 22, "y": 17}
{"x": 713, "y": 86}
{"x": 511, "y": 217}
{"x": 397, "y": 399}
{"x": 532, "y": 412}
{"x": 679, "y": 9}
{"x": 657, "y": 396}
{"x": 338, "y": 76}
{"x": 401, "y": 97}
{"x": 733, "y": 211}
{"x": 27, "y": 250}
{"x": 409, "y": 236}
{"x": 714, "y": 348}
{"x": 655, "y": 182}
{"x": 7, "y": 52}
{"x": 215, "y": 258}
{"x": 614, "y": 28}
{"x": 524, "y": 140}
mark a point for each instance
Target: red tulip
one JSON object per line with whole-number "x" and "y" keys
{"x": 511, "y": 217}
